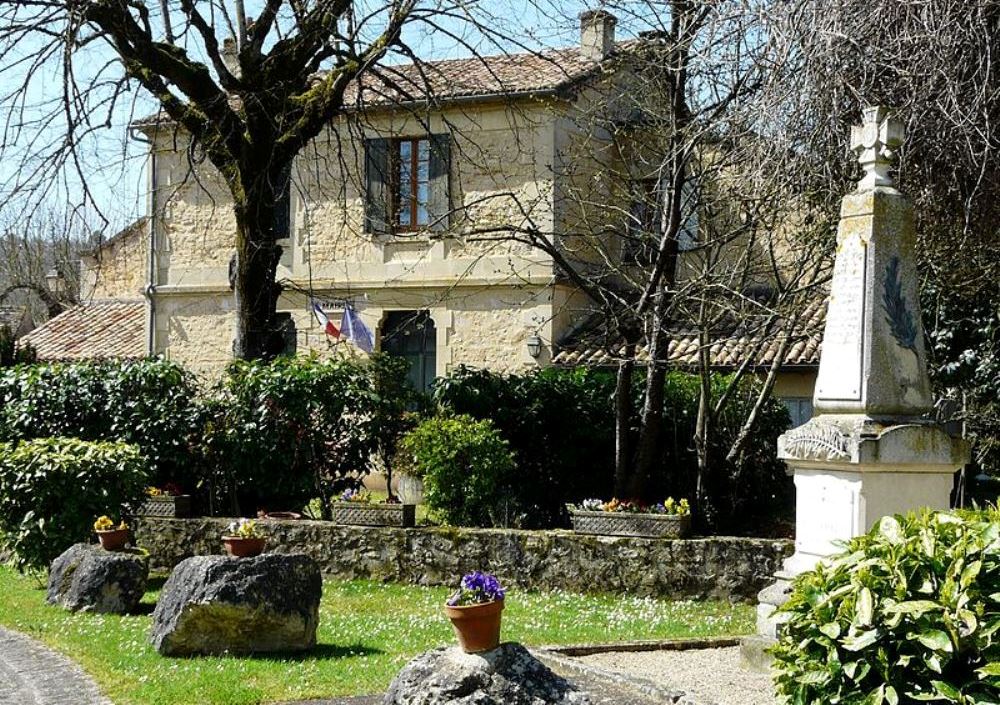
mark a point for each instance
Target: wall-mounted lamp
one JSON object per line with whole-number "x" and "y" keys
{"x": 534, "y": 345}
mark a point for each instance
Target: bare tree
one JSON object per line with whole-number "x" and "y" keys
{"x": 39, "y": 261}
{"x": 250, "y": 91}
{"x": 687, "y": 194}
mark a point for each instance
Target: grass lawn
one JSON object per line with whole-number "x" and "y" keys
{"x": 367, "y": 632}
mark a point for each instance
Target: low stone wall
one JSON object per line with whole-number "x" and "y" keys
{"x": 723, "y": 568}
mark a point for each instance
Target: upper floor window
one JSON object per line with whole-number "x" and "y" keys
{"x": 407, "y": 184}
{"x": 411, "y": 186}
{"x": 645, "y": 223}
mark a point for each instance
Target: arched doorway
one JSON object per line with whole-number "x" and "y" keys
{"x": 412, "y": 335}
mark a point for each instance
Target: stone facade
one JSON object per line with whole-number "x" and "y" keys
{"x": 720, "y": 568}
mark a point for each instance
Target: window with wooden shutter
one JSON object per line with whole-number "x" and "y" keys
{"x": 408, "y": 184}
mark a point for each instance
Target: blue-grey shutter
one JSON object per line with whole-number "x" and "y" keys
{"x": 439, "y": 201}
{"x": 377, "y": 181}
{"x": 283, "y": 205}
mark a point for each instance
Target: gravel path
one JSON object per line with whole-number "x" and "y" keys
{"x": 31, "y": 674}
{"x": 709, "y": 675}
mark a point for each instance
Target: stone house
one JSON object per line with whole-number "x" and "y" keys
{"x": 392, "y": 211}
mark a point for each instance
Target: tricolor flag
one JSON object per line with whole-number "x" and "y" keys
{"x": 355, "y": 330}
{"x": 325, "y": 323}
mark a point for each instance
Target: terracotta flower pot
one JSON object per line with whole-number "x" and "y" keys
{"x": 477, "y": 626}
{"x": 113, "y": 539}
{"x": 243, "y": 548}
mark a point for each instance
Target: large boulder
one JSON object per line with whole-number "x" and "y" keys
{"x": 86, "y": 578}
{"x": 508, "y": 675}
{"x": 219, "y": 604}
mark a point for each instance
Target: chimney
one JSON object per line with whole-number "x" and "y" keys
{"x": 597, "y": 34}
{"x": 230, "y": 56}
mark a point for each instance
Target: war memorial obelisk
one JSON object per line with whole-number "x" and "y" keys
{"x": 871, "y": 448}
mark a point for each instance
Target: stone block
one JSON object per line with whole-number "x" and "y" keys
{"x": 86, "y": 578}
{"x": 219, "y": 604}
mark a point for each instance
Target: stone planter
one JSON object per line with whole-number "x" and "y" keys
{"x": 410, "y": 489}
{"x": 476, "y": 626}
{"x": 366, "y": 514}
{"x": 654, "y": 526}
{"x": 178, "y": 506}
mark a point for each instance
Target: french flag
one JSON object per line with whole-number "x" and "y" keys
{"x": 325, "y": 323}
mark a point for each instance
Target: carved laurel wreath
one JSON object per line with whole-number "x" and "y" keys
{"x": 897, "y": 313}
{"x": 815, "y": 441}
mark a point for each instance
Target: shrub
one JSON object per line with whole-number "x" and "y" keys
{"x": 52, "y": 489}
{"x": 149, "y": 403}
{"x": 467, "y": 468}
{"x": 910, "y": 612}
{"x": 279, "y": 433}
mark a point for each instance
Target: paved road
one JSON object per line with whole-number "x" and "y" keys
{"x": 31, "y": 674}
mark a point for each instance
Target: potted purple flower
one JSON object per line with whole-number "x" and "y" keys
{"x": 475, "y": 611}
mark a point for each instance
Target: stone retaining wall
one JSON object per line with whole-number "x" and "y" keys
{"x": 722, "y": 568}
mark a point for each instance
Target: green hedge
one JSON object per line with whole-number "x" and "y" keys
{"x": 52, "y": 490}
{"x": 150, "y": 403}
{"x": 281, "y": 433}
{"x": 909, "y": 613}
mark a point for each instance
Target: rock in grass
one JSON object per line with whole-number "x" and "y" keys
{"x": 508, "y": 675}
{"x": 86, "y": 578}
{"x": 219, "y": 604}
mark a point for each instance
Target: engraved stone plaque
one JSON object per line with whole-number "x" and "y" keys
{"x": 840, "y": 370}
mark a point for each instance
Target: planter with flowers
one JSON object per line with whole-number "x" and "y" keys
{"x": 168, "y": 501}
{"x": 355, "y": 507}
{"x": 475, "y": 611}
{"x": 112, "y": 538}
{"x": 244, "y": 539}
{"x": 667, "y": 520}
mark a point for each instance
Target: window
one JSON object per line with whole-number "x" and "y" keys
{"x": 412, "y": 336}
{"x": 800, "y": 409}
{"x": 411, "y": 184}
{"x": 407, "y": 184}
{"x": 645, "y": 216}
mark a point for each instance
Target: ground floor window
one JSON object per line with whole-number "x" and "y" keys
{"x": 412, "y": 335}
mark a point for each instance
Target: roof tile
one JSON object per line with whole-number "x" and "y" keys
{"x": 111, "y": 328}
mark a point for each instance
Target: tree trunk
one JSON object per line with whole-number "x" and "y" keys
{"x": 703, "y": 426}
{"x": 623, "y": 418}
{"x": 650, "y": 434}
{"x": 256, "y": 291}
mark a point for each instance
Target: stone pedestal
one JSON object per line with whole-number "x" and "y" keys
{"x": 850, "y": 471}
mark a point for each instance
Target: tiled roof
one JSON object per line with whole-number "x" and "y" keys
{"x": 112, "y": 328}
{"x": 516, "y": 74}
{"x": 728, "y": 349}
{"x": 503, "y": 74}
